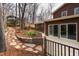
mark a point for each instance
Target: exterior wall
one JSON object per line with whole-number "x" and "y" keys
{"x": 40, "y": 27}
{"x": 72, "y": 20}
{"x": 69, "y": 7}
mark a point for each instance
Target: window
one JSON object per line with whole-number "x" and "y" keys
{"x": 72, "y": 31}
{"x": 67, "y": 30}
{"x": 50, "y": 30}
{"x": 55, "y": 30}
{"x": 63, "y": 13}
{"x": 63, "y": 31}
{"x": 76, "y": 11}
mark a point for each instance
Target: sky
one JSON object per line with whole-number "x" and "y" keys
{"x": 57, "y": 5}
{"x": 45, "y": 5}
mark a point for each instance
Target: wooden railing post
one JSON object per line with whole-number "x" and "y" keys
{"x": 44, "y": 47}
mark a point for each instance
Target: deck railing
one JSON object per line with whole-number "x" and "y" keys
{"x": 52, "y": 48}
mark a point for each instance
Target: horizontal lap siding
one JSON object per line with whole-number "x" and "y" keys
{"x": 69, "y": 7}
{"x": 40, "y": 27}
{"x": 62, "y": 50}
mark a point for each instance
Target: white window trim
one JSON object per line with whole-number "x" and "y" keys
{"x": 53, "y": 29}
{"x": 75, "y": 11}
{"x": 76, "y": 30}
{"x": 63, "y": 12}
{"x": 67, "y": 30}
{"x": 49, "y": 29}
{"x": 59, "y": 30}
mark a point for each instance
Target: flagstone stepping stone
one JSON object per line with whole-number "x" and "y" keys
{"x": 9, "y": 35}
{"x": 35, "y": 51}
{"x": 39, "y": 48}
{"x": 9, "y": 39}
{"x": 29, "y": 49}
{"x": 23, "y": 46}
{"x": 14, "y": 37}
{"x": 13, "y": 43}
{"x": 17, "y": 46}
{"x": 30, "y": 45}
{"x": 19, "y": 43}
{"x": 6, "y": 33}
{"x": 13, "y": 40}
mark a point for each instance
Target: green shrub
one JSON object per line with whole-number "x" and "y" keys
{"x": 12, "y": 23}
{"x": 31, "y": 33}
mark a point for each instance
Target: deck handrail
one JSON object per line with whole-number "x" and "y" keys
{"x": 52, "y": 46}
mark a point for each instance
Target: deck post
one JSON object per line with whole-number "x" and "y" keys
{"x": 44, "y": 47}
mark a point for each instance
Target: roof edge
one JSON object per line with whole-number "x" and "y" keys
{"x": 59, "y": 7}
{"x": 67, "y": 17}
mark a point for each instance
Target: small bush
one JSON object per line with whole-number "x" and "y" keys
{"x": 12, "y": 23}
{"x": 31, "y": 33}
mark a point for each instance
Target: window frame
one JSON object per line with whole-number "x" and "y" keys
{"x": 66, "y": 30}
{"x": 63, "y": 12}
{"x": 76, "y": 30}
{"x": 53, "y": 29}
{"x": 59, "y": 30}
{"x": 49, "y": 29}
{"x": 75, "y": 11}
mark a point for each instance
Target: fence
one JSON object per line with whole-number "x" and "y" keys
{"x": 52, "y": 48}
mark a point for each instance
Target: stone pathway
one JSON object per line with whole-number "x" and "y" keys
{"x": 15, "y": 43}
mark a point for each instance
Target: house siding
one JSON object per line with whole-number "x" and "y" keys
{"x": 43, "y": 27}
{"x": 52, "y": 41}
{"x": 39, "y": 27}
{"x": 69, "y": 7}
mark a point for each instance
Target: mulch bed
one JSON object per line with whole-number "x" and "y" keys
{"x": 24, "y": 38}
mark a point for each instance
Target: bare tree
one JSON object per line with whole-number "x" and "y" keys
{"x": 31, "y": 10}
{"x": 2, "y": 36}
{"x": 41, "y": 15}
{"x": 49, "y": 12}
{"x": 7, "y": 9}
{"x": 22, "y": 7}
{"x": 4, "y": 11}
{"x": 28, "y": 11}
{"x": 46, "y": 14}
{"x": 35, "y": 7}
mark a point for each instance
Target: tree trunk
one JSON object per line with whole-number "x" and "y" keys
{"x": 33, "y": 14}
{"x": 2, "y": 36}
{"x": 21, "y": 15}
{"x": 2, "y": 33}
